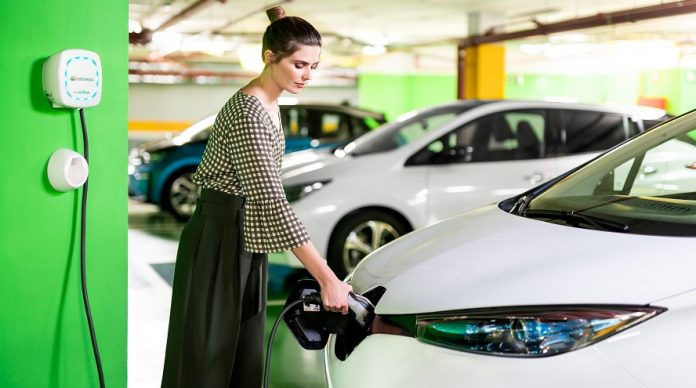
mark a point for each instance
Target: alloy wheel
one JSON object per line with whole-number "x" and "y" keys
{"x": 364, "y": 239}
{"x": 184, "y": 194}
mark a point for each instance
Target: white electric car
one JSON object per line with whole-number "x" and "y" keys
{"x": 585, "y": 281}
{"x": 438, "y": 162}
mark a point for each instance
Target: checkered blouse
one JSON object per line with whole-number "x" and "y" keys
{"x": 243, "y": 157}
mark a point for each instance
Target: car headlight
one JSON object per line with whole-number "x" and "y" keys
{"x": 294, "y": 193}
{"x": 134, "y": 158}
{"x": 524, "y": 331}
{"x": 139, "y": 157}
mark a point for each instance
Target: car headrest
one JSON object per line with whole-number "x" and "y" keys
{"x": 526, "y": 138}
{"x": 501, "y": 129}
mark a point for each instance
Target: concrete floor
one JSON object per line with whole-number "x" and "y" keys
{"x": 152, "y": 243}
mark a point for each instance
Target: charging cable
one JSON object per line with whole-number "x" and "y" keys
{"x": 83, "y": 268}
{"x": 269, "y": 348}
{"x": 313, "y": 298}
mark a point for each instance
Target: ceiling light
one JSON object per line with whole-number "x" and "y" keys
{"x": 569, "y": 38}
{"x": 533, "y": 49}
{"x": 250, "y": 57}
{"x": 134, "y": 26}
{"x": 166, "y": 38}
{"x": 374, "y": 50}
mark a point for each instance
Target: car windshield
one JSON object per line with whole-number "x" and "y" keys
{"x": 406, "y": 129}
{"x": 645, "y": 186}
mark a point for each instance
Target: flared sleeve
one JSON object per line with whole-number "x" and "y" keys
{"x": 270, "y": 224}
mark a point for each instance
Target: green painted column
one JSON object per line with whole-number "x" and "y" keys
{"x": 44, "y": 339}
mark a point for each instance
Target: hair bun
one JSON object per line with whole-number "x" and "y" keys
{"x": 275, "y": 13}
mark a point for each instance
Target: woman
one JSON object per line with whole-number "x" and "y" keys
{"x": 217, "y": 316}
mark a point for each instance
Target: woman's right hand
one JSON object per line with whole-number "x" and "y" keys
{"x": 335, "y": 296}
{"x": 334, "y": 292}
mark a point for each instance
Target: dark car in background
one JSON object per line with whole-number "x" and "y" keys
{"x": 160, "y": 172}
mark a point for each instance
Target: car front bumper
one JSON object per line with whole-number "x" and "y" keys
{"x": 397, "y": 361}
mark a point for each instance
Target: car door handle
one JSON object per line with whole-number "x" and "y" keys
{"x": 534, "y": 177}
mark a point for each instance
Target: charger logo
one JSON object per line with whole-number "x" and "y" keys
{"x": 74, "y": 78}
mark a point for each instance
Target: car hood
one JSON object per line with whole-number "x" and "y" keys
{"x": 311, "y": 165}
{"x": 158, "y": 145}
{"x": 298, "y": 159}
{"x": 489, "y": 258}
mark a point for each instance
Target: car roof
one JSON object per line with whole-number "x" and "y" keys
{"x": 645, "y": 112}
{"x": 349, "y": 109}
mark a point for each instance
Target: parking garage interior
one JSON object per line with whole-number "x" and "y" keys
{"x": 167, "y": 64}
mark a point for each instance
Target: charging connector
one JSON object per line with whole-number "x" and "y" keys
{"x": 311, "y": 324}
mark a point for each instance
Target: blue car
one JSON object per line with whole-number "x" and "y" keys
{"x": 160, "y": 172}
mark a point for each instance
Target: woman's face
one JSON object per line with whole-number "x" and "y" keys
{"x": 293, "y": 72}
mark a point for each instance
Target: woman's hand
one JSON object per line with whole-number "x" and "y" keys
{"x": 335, "y": 296}
{"x": 334, "y": 293}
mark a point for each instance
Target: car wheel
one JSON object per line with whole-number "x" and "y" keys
{"x": 181, "y": 194}
{"x": 360, "y": 234}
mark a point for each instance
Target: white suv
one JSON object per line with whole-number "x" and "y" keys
{"x": 438, "y": 162}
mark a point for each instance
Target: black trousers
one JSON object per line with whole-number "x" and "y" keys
{"x": 217, "y": 316}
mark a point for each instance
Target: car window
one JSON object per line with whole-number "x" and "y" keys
{"x": 666, "y": 169}
{"x": 590, "y": 131}
{"x": 323, "y": 124}
{"x": 370, "y": 122}
{"x": 647, "y": 124}
{"x": 416, "y": 129}
{"x": 294, "y": 121}
{"x": 362, "y": 125}
{"x": 406, "y": 129}
{"x": 335, "y": 126}
{"x": 509, "y": 135}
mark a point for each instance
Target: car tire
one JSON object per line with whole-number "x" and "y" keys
{"x": 358, "y": 235}
{"x": 180, "y": 194}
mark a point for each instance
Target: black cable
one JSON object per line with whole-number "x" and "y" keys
{"x": 83, "y": 268}
{"x": 267, "y": 366}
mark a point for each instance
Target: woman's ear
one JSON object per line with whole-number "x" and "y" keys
{"x": 268, "y": 57}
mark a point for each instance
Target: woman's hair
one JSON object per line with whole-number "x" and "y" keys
{"x": 286, "y": 34}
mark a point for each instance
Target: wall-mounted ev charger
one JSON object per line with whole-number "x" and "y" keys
{"x": 73, "y": 79}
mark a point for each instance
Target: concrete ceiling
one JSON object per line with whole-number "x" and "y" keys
{"x": 421, "y": 33}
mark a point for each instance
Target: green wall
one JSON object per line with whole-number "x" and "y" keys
{"x": 400, "y": 93}
{"x": 613, "y": 88}
{"x": 44, "y": 339}
{"x": 677, "y": 86}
